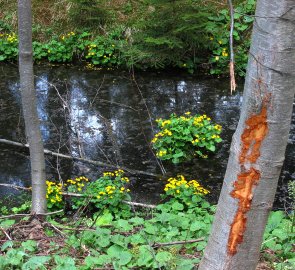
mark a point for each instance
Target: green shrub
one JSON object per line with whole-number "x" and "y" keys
{"x": 218, "y": 27}
{"x": 8, "y": 46}
{"x": 184, "y": 137}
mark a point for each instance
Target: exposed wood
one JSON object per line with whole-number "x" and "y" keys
{"x": 94, "y": 162}
{"x": 259, "y": 143}
{"x": 231, "y": 45}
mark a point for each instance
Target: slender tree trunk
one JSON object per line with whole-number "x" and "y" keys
{"x": 258, "y": 146}
{"x": 29, "y": 106}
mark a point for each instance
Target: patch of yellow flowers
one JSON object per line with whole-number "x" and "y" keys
{"x": 63, "y": 37}
{"x": 11, "y": 38}
{"x": 178, "y": 184}
{"x": 78, "y": 182}
{"x": 53, "y": 192}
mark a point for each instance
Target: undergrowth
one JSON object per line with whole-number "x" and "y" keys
{"x": 172, "y": 235}
{"x": 186, "y": 34}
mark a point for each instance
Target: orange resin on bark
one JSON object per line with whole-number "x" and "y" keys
{"x": 252, "y": 137}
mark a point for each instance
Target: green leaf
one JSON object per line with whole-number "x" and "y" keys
{"x": 123, "y": 225}
{"x": 29, "y": 245}
{"x": 36, "y": 263}
{"x": 145, "y": 257}
{"x": 124, "y": 257}
{"x": 163, "y": 256}
{"x": 7, "y": 223}
{"x": 6, "y": 245}
{"x": 137, "y": 221}
{"x": 177, "y": 206}
{"x": 195, "y": 226}
{"x": 137, "y": 239}
{"x": 64, "y": 263}
{"x": 184, "y": 264}
{"x": 150, "y": 229}
{"x": 114, "y": 251}
{"x": 105, "y": 219}
{"x": 211, "y": 147}
{"x": 97, "y": 261}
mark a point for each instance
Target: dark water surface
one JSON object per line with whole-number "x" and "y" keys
{"x": 102, "y": 116}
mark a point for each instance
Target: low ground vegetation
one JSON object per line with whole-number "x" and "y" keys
{"x": 191, "y": 35}
{"x": 106, "y": 233}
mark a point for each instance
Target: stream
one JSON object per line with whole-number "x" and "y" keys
{"x": 108, "y": 117}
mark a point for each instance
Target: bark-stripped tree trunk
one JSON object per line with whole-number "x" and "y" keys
{"x": 258, "y": 146}
{"x": 29, "y": 106}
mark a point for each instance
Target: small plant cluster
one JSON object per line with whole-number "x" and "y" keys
{"x": 8, "y": 46}
{"x": 54, "y": 195}
{"x": 183, "y": 137}
{"x": 183, "y": 190}
{"x": 100, "y": 51}
{"x": 277, "y": 241}
{"x": 108, "y": 191}
{"x": 218, "y": 27}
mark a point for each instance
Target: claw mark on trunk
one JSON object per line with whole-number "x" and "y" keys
{"x": 252, "y": 138}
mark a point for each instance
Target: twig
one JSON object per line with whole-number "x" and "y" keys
{"x": 98, "y": 163}
{"x": 159, "y": 162}
{"x": 232, "y": 56}
{"x": 6, "y": 234}
{"x": 155, "y": 245}
{"x": 55, "y": 228}
{"x": 71, "y": 194}
{"x": 152, "y": 206}
{"x": 16, "y": 187}
{"x": 91, "y": 102}
{"x": 30, "y": 215}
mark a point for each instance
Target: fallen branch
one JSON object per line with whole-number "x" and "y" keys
{"x": 98, "y": 163}
{"x": 30, "y": 215}
{"x": 16, "y": 187}
{"x": 6, "y": 234}
{"x": 152, "y": 206}
{"x": 71, "y": 194}
{"x": 155, "y": 245}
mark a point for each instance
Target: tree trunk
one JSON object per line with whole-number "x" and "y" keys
{"x": 29, "y": 106}
{"x": 258, "y": 146}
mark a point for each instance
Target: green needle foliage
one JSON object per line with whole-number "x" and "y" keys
{"x": 191, "y": 35}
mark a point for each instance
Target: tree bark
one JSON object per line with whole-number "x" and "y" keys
{"x": 258, "y": 145}
{"x": 29, "y": 105}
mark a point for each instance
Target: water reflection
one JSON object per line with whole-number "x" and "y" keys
{"x": 103, "y": 116}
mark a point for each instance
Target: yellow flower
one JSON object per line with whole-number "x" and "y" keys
{"x": 211, "y": 38}
{"x": 216, "y": 58}
{"x": 220, "y": 41}
{"x": 224, "y": 53}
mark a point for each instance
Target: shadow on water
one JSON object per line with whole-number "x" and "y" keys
{"x": 101, "y": 116}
